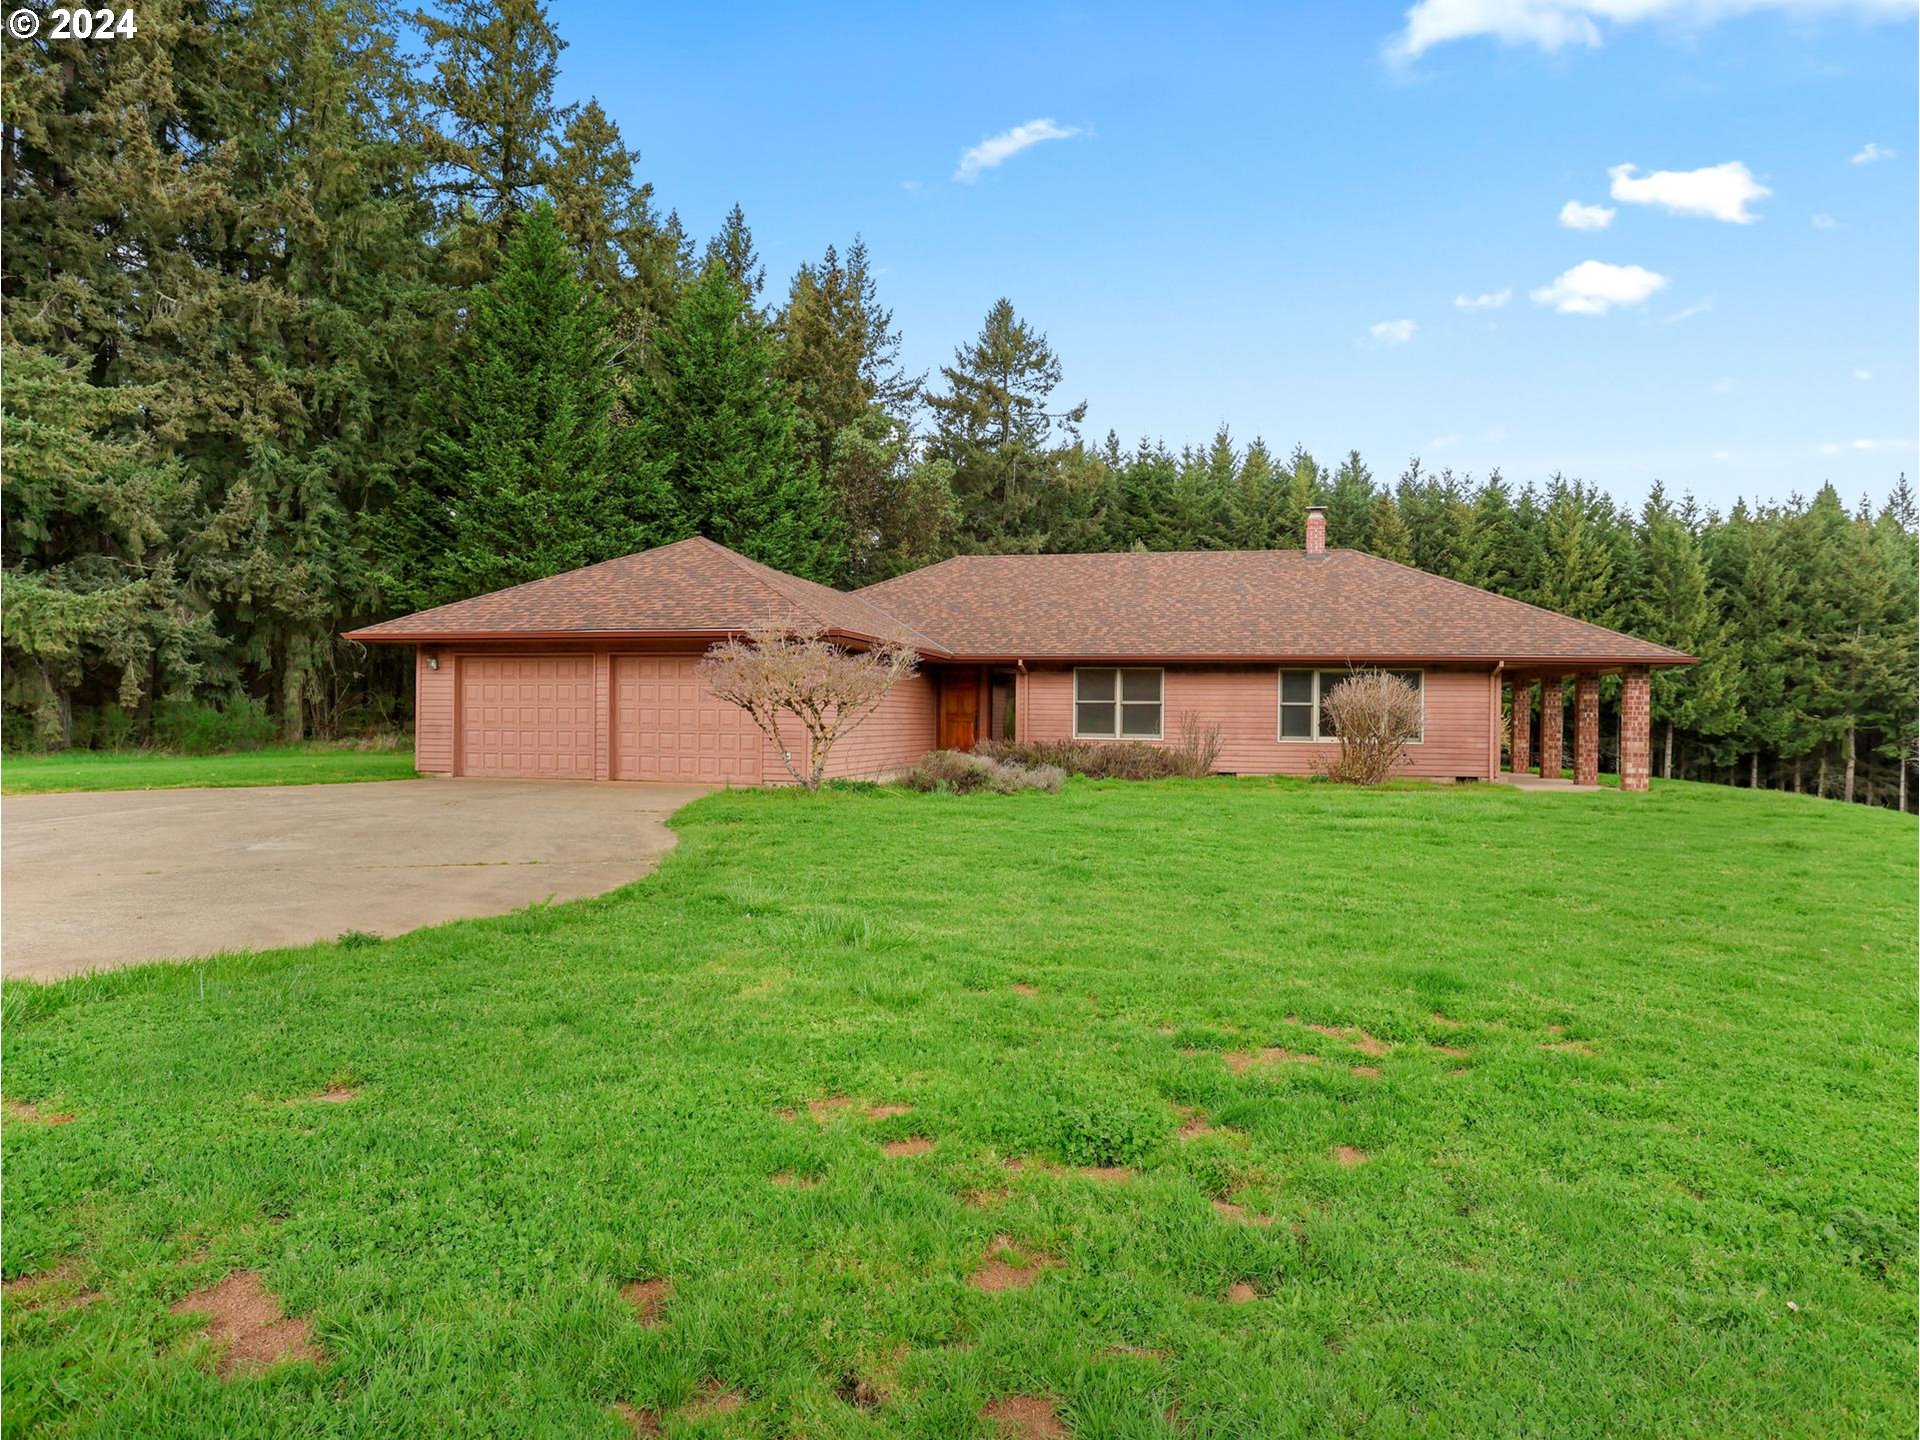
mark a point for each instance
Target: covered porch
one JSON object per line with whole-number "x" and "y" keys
{"x": 1542, "y": 765}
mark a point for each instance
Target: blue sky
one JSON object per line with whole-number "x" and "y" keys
{"x": 1249, "y": 191}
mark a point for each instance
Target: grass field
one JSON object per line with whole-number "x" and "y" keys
{"x": 1450, "y": 1112}
{"x": 153, "y": 770}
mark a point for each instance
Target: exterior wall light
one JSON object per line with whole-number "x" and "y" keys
{"x": 433, "y": 659}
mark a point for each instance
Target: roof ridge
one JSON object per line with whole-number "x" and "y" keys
{"x": 1514, "y": 600}
{"x": 760, "y": 571}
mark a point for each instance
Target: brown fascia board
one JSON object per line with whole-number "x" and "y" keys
{"x": 511, "y": 637}
{"x": 1536, "y": 663}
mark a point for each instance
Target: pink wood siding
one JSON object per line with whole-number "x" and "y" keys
{"x": 1244, "y": 701}
{"x": 527, "y": 716}
{"x": 669, "y": 726}
{"x": 893, "y": 738}
{"x": 433, "y": 703}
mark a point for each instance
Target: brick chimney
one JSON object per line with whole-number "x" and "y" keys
{"x": 1316, "y": 530}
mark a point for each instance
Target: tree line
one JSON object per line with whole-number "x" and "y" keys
{"x": 316, "y": 311}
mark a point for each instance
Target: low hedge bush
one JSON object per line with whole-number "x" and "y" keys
{"x": 958, "y": 773}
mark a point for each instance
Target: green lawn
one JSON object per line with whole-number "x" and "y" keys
{"x": 1632, "y": 1080}
{"x": 153, "y": 770}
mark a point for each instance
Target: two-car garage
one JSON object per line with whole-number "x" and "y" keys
{"x": 539, "y": 717}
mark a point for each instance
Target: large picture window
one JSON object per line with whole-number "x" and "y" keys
{"x": 1116, "y": 704}
{"x": 1303, "y": 695}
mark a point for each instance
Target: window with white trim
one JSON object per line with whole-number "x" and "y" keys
{"x": 1117, "y": 704}
{"x": 1303, "y": 696}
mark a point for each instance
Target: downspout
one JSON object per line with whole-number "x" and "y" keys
{"x": 1493, "y": 750}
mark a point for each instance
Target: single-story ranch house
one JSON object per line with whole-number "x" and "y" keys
{"x": 590, "y": 675}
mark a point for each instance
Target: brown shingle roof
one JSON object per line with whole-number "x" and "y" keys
{"x": 1249, "y": 605}
{"x": 690, "y": 586}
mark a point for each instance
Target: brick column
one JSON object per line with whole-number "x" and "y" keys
{"x": 1636, "y": 727}
{"x": 1522, "y": 726}
{"x": 1550, "y": 728}
{"x": 1586, "y": 729}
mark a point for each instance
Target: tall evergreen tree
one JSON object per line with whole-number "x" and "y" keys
{"x": 626, "y": 252}
{"x": 1350, "y": 505}
{"x": 529, "y": 477}
{"x": 728, "y": 432}
{"x": 733, "y": 250}
{"x": 1674, "y": 607}
{"x": 493, "y": 67}
{"x": 993, "y": 424}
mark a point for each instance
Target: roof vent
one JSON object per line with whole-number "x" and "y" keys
{"x": 1316, "y": 529}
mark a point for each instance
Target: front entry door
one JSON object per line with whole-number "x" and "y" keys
{"x": 959, "y": 709}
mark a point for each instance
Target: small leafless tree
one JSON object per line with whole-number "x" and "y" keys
{"x": 1376, "y": 716}
{"x": 775, "y": 670}
{"x": 1199, "y": 747}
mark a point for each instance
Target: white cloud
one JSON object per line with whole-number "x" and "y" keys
{"x": 1594, "y": 287}
{"x": 1869, "y": 153}
{"x": 1443, "y": 442}
{"x": 1576, "y": 216}
{"x": 998, "y": 149}
{"x": 1859, "y": 374}
{"x": 909, "y": 184}
{"x": 1863, "y": 447}
{"x": 1553, "y": 25}
{"x": 1490, "y": 300}
{"x": 1824, "y": 221}
{"x": 1699, "y": 307}
{"x": 1720, "y": 192}
{"x": 1393, "y": 332}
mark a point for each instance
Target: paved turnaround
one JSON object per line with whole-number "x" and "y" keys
{"x": 101, "y": 879}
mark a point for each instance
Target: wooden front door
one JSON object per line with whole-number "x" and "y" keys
{"x": 959, "y": 709}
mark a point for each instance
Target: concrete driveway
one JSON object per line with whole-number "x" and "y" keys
{"x": 96, "y": 880}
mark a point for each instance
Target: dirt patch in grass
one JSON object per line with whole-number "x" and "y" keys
{"x": 1134, "y": 1352}
{"x": 1367, "y": 1072}
{"x": 888, "y": 1112}
{"x": 1022, "y": 988}
{"x": 1005, "y": 1266}
{"x": 873, "y": 1381}
{"x": 1454, "y": 1050}
{"x": 29, "y": 1113}
{"x": 644, "y": 1424}
{"x": 61, "y": 1287}
{"x": 336, "y": 1095}
{"x": 1107, "y": 1174}
{"x": 984, "y": 1199}
{"x": 1239, "y": 1214}
{"x": 1350, "y": 1155}
{"x": 1024, "y": 1417}
{"x": 1241, "y": 1061}
{"x": 1242, "y": 1294}
{"x": 787, "y": 1180}
{"x": 914, "y": 1145}
{"x": 648, "y": 1301}
{"x": 826, "y": 1107}
{"x": 1445, "y": 1024}
{"x": 1193, "y": 1123}
{"x": 713, "y": 1398}
{"x": 246, "y": 1323}
{"x": 1354, "y": 1036}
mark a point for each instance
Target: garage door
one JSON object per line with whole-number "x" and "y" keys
{"x": 667, "y": 726}
{"x": 527, "y": 715}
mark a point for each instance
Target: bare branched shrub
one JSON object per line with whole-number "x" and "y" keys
{"x": 1097, "y": 760}
{"x": 1376, "y": 716}
{"x": 775, "y": 670}
{"x": 962, "y": 774}
{"x": 1198, "y": 748}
